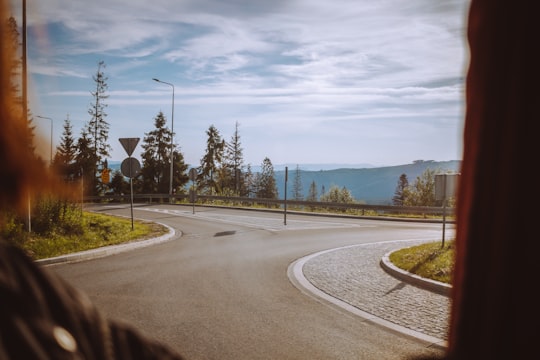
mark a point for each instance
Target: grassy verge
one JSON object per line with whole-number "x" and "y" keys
{"x": 98, "y": 230}
{"x": 430, "y": 260}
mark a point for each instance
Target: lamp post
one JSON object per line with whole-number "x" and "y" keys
{"x": 172, "y": 136}
{"x": 48, "y": 118}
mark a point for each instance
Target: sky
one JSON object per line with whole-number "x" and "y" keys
{"x": 307, "y": 81}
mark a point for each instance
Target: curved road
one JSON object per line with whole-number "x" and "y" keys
{"x": 219, "y": 289}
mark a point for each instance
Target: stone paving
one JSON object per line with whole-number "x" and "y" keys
{"x": 354, "y": 276}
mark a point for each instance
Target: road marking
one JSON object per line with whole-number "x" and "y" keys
{"x": 257, "y": 222}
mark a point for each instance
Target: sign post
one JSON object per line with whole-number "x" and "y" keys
{"x": 130, "y": 167}
{"x": 445, "y": 187}
{"x": 192, "y": 191}
{"x": 285, "y": 197}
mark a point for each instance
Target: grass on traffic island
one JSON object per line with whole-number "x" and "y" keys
{"x": 431, "y": 260}
{"x": 97, "y": 230}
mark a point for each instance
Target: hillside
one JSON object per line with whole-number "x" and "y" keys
{"x": 370, "y": 185}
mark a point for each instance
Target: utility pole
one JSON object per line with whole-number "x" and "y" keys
{"x": 172, "y": 140}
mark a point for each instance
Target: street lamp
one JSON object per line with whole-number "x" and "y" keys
{"x": 172, "y": 135}
{"x": 48, "y": 118}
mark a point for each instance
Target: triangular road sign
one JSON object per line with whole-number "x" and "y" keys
{"x": 129, "y": 144}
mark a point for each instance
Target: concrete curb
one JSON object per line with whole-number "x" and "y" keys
{"x": 108, "y": 250}
{"x": 427, "y": 284}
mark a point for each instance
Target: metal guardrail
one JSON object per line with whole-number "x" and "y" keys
{"x": 275, "y": 203}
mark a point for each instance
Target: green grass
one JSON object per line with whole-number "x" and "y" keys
{"x": 98, "y": 230}
{"x": 430, "y": 260}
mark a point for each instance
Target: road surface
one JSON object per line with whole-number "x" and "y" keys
{"x": 219, "y": 289}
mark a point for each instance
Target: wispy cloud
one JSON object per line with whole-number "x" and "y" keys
{"x": 296, "y": 62}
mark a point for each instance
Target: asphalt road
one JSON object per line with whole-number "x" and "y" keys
{"x": 219, "y": 289}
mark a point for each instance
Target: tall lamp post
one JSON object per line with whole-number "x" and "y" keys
{"x": 48, "y": 118}
{"x": 172, "y": 136}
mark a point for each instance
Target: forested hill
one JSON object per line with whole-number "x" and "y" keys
{"x": 370, "y": 185}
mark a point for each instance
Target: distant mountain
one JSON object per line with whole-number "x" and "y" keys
{"x": 114, "y": 165}
{"x": 372, "y": 185}
{"x": 315, "y": 167}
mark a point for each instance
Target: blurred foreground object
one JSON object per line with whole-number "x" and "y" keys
{"x": 42, "y": 317}
{"x": 494, "y": 313}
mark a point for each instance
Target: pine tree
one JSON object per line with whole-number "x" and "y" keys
{"x": 401, "y": 191}
{"x": 118, "y": 184}
{"x": 97, "y": 128}
{"x": 297, "y": 190}
{"x": 249, "y": 183}
{"x": 211, "y": 161}
{"x": 180, "y": 172}
{"x": 65, "y": 156}
{"x": 155, "y": 168}
{"x": 86, "y": 162}
{"x": 313, "y": 195}
{"x": 233, "y": 163}
{"x": 156, "y": 161}
{"x": 267, "y": 188}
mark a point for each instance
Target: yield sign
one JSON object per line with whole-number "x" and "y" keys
{"x": 129, "y": 144}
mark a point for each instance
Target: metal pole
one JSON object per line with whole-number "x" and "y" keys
{"x": 172, "y": 138}
{"x": 285, "y": 196}
{"x": 444, "y": 210}
{"x": 131, "y": 189}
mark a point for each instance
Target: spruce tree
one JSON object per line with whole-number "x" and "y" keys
{"x": 401, "y": 191}
{"x": 155, "y": 168}
{"x": 297, "y": 190}
{"x": 210, "y": 161}
{"x": 97, "y": 128}
{"x": 86, "y": 162}
{"x": 118, "y": 184}
{"x": 233, "y": 164}
{"x": 248, "y": 183}
{"x": 156, "y": 161}
{"x": 312, "y": 194}
{"x": 65, "y": 156}
{"x": 267, "y": 188}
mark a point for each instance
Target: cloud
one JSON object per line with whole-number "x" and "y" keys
{"x": 284, "y": 63}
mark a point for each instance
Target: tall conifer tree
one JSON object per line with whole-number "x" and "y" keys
{"x": 211, "y": 161}
{"x": 97, "y": 129}
{"x": 267, "y": 187}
